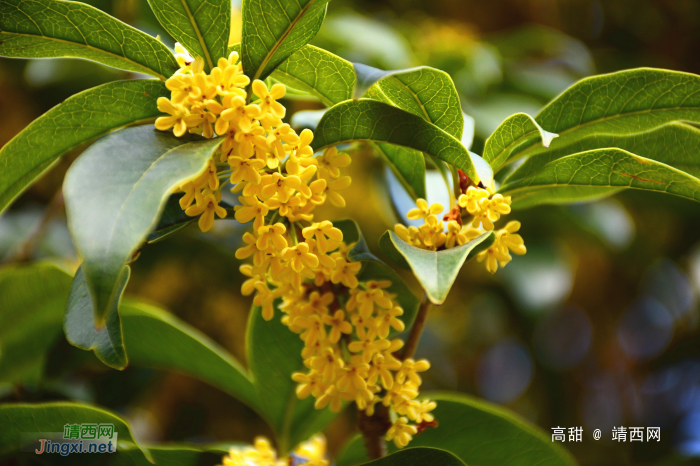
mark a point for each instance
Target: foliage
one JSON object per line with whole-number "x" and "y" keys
{"x": 631, "y": 129}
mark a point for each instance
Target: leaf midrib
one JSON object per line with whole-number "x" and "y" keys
{"x": 278, "y": 42}
{"x": 90, "y": 47}
{"x": 200, "y": 38}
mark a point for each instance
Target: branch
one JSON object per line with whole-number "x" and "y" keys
{"x": 373, "y": 428}
{"x": 417, "y": 329}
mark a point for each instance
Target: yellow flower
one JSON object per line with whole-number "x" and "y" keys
{"x": 401, "y": 432}
{"x": 409, "y": 234}
{"x": 182, "y": 56}
{"x": 423, "y": 411}
{"x": 300, "y": 257}
{"x": 422, "y": 210}
{"x": 268, "y": 99}
{"x": 238, "y": 113}
{"x": 318, "y": 303}
{"x": 354, "y": 377}
{"x": 245, "y": 169}
{"x": 471, "y": 199}
{"x": 338, "y": 325}
{"x": 327, "y": 236}
{"x": 380, "y": 368}
{"x": 368, "y": 346}
{"x": 299, "y": 151}
{"x": 251, "y": 209}
{"x": 248, "y": 286}
{"x": 176, "y": 120}
{"x": 330, "y": 163}
{"x": 280, "y": 185}
{"x": 314, "y": 330}
{"x": 387, "y": 320}
{"x": 329, "y": 362}
{"x": 506, "y": 239}
{"x": 283, "y": 207}
{"x": 345, "y": 272}
{"x": 409, "y": 370}
{"x": 265, "y": 298}
{"x": 282, "y": 134}
{"x": 309, "y": 384}
{"x": 332, "y": 397}
{"x": 313, "y": 451}
{"x": 271, "y": 236}
{"x": 208, "y": 208}
{"x": 250, "y": 250}
{"x": 334, "y": 186}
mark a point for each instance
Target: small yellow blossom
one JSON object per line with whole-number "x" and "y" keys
{"x": 401, "y": 432}
{"x": 422, "y": 210}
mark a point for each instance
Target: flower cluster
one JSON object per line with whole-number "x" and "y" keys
{"x": 255, "y": 146}
{"x": 485, "y": 207}
{"x": 343, "y": 321}
{"x": 310, "y": 453}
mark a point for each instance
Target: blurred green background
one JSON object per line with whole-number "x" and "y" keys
{"x": 597, "y": 326}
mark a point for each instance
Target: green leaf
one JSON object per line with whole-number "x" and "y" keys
{"x": 622, "y": 103}
{"x": 18, "y": 418}
{"x": 319, "y": 73}
{"x": 105, "y": 340}
{"x": 435, "y": 270}
{"x": 32, "y": 300}
{"x": 425, "y": 92}
{"x": 78, "y": 119}
{"x": 407, "y": 164}
{"x": 370, "y": 120}
{"x": 157, "y": 339}
{"x": 274, "y": 354}
{"x": 374, "y": 269}
{"x": 515, "y": 131}
{"x": 115, "y": 192}
{"x": 275, "y": 29}
{"x": 201, "y": 26}
{"x": 418, "y": 457}
{"x": 56, "y": 28}
{"x": 675, "y": 144}
{"x": 478, "y": 433}
{"x": 596, "y": 172}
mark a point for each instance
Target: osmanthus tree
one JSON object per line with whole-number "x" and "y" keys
{"x": 321, "y": 334}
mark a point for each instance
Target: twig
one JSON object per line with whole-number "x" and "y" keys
{"x": 373, "y": 429}
{"x": 417, "y": 329}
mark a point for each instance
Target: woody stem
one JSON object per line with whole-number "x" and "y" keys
{"x": 417, "y": 329}
{"x": 373, "y": 428}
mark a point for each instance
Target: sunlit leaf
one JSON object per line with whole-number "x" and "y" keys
{"x": 201, "y": 26}
{"x": 370, "y": 120}
{"x": 78, "y": 119}
{"x": 275, "y": 29}
{"x": 115, "y": 192}
{"x": 319, "y": 73}
{"x": 622, "y": 103}
{"x": 591, "y": 174}
{"x": 435, "y": 270}
{"x": 675, "y": 144}
{"x": 55, "y": 28}
{"x": 174, "y": 219}
{"x": 407, "y": 164}
{"x": 510, "y": 135}
{"x": 32, "y": 301}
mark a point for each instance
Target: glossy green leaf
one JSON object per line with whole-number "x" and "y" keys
{"x": 115, "y": 192}
{"x": 19, "y": 418}
{"x": 274, "y": 354}
{"x": 622, "y": 103}
{"x": 478, "y": 433}
{"x": 201, "y": 26}
{"x": 157, "y": 339}
{"x": 370, "y": 120}
{"x": 435, "y": 270}
{"x": 592, "y": 173}
{"x": 675, "y": 144}
{"x": 275, "y": 29}
{"x": 170, "y": 454}
{"x": 418, "y": 457}
{"x": 32, "y": 301}
{"x": 319, "y": 73}
{"x": 515, "y": 131}
{"x": 57, "y": 28}
{"x": 374, "y": 269}
{"x": 425, "y": 92}
{"x": 78, "y": 119}
{"x": 105, "y": 340}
